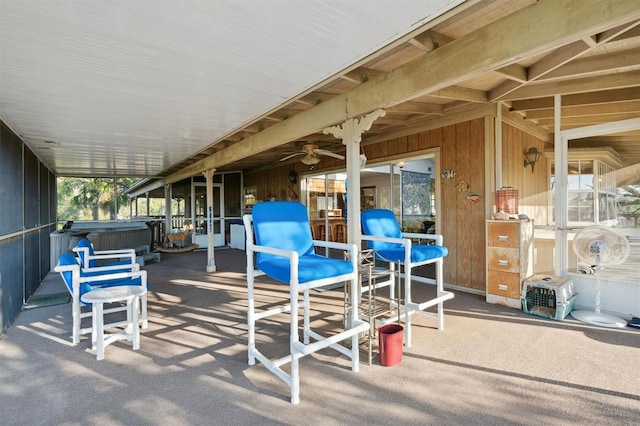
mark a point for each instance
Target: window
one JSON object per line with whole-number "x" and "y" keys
{"x": 591, "y": 192}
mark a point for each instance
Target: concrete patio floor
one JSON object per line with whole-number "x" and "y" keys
{"x": 491, "y": 364}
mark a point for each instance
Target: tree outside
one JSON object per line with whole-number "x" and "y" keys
{"x": 628, "y": 200}
{"x": 93, "y": 199}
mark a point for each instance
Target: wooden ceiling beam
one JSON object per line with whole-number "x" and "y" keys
{"x": 550, "y": 62}
{"x": 417, "y": 108}
{"x": 580, "y": 85}
{"x": 558, "y": 58}
{"x": 514, "y": 72}
{"x": 622, "y": 32}
{"x": 360, "y": 75}
{"x": 527, "y": 32}
{"x": 461, "y": 94}
{"x": 587, "y": 110}
{"x": 593, "y": 98}
{"x": 583, "y": 121}
{"x": 595, "y": 64}
{"x": 315, "y": 98}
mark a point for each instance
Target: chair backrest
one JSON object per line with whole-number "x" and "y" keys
{"x": 282, "y": 225}
{"x": 86, "y": 248}
{"x": 380, "y": 223}
{"x": 67, "y": 259}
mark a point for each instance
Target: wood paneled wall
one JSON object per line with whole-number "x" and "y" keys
{"x": 533, "y": 188}
{"x": 462, "y": 149}
{"x": 273, "y": 183}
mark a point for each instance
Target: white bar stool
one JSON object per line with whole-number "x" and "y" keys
{"x": 97, "y": 298}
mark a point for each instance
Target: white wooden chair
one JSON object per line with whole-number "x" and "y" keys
{"x": 383, "y": 234}
{"x": 79, "y": 283}
{"x": 286, "y": 252}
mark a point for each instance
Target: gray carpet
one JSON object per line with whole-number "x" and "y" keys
{"x": 43, "y": 300}
{"x": 491, "y": 365}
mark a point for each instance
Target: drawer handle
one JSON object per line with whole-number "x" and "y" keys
{"x": 503, "y": 287}
{"x": 503, "y": 238}
{"x": 503, "y": 262}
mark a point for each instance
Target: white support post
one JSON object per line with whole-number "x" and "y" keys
{"x": 351, "y": 132}
{"x": 211, "y": 258}
{"x": 498, "y": 151}
{"x": 560, "y": 147}
{"x": 168, "y": 216}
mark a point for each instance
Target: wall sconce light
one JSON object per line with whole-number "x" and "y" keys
{"x": 531, "y": 157}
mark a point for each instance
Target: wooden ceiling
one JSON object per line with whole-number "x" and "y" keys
{"x": 457, "y": 63}
{"x": 519, "y": 53}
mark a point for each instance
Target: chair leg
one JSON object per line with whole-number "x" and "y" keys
{"x": 355, "y": 347}
{"x": 306, "y": 318}
{"x": 294, "y": 340}
{"x": 439, "y": 292}
{"x": 251, "y": 311}
{"x": 251, "y": 321}
{"x": 76, "y": 321}
{"x": 407, "y": 305}
{"x": 143, "y": 310}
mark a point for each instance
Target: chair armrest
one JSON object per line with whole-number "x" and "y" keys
{"x": 107, "y": 269}
{"x": 66, "y": 268}
{"x": 123, "y": 252}
{"x": 106, "y": 254}
{"x": 274, "y": 251}
{"x": 351, "y": 248}
{"x": 435, "y": 237}
{"x": 333, "y": 244}
{"x": 403, "y": 241}
{"x": 142, "y": 274}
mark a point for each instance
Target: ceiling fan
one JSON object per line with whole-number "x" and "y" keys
{"x": 311, "y": 152}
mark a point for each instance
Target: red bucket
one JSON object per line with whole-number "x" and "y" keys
{"x": 390, "y": 341}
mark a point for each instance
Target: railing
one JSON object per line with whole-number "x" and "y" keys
{"x": 632, "y": 219}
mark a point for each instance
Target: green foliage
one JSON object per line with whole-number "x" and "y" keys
{"x": 92, "y": 199}
{"x": 628, "y": 200}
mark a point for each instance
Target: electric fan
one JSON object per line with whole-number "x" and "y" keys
{"x": 600, "y": 246}
{"x": 311, "y": 152}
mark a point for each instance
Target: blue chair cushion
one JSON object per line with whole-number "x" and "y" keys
{"x": 93, "y": 262}
{"x": 383, "y": 223}
{"x": 310, "y": 268}
{"x": 418, "y": 253}
{"x": 85, "y": 243}
{"x": 282, "y": 225}
{"x": 67, "y": 276}
{"x": 285, "y": 225}
{"x": 69, "y": 259}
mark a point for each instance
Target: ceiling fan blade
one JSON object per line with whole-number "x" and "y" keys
{"x": 291, "y": 156}
{"x": 328, "y": 153}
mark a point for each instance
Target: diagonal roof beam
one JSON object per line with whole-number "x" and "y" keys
{"x": 532, "y": 30}
{"x": 461, "y": 94}
{"x": 558, "y": 58}
{"x": 579, "y": 85}
{"x": 608, "y": 62}
{"x": 586, "y": 111}
{"x": 595, "y": 98}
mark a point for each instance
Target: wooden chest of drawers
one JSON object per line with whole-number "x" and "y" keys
{"x": 509, "y": 259}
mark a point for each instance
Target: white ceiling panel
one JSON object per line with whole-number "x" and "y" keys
{"x": 130, "y": 88}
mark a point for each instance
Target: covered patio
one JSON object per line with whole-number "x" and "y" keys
{"x": 492, "y": 364}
